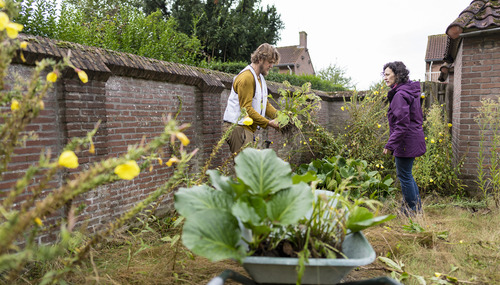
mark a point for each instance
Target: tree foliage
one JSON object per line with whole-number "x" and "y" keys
{"x": 111, "y": 24}
{"x": 336, "y": 75}
{"x": 229, "y": 30}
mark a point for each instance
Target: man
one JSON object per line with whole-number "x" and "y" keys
{"x": 249, "y": 91}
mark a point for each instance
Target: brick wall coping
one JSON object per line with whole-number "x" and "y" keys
{"x": 100, "y": 64}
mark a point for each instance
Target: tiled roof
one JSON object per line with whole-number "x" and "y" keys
{"x": 436, "y": 47}
{"x": 479, "y": 15}
{"x": 289, "y": 54}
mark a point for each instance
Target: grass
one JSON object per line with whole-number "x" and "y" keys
{"x": 463, "y": 235}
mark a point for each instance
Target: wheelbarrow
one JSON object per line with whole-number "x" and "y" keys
{"x": 323, "y": 271}
{"x": 235, "y": 276}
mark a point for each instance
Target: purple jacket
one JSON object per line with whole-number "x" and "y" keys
{"x": 405, "y": 118}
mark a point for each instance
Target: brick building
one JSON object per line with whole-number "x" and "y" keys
{"x": 434, "y": 56}
{"x": 296, "y": 59}
{"x": 472, "y": 71}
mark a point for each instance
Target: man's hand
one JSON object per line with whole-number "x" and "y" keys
{"x": 273, "y": 124}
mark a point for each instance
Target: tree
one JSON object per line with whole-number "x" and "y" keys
{"x": 229, "y": 30}
{"x": 336, "y": 75}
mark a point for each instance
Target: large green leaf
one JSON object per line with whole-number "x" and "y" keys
{"x": 246, "y": 213}
{"x": 307, "y": 177}
{"x": 290, "y": 205}
{"x": 219, "y": 182}
{"x": 262, "y": 171}
{"x": 361, "y": 218}
{"x": 198, "y": 198}
{"x": 214, "y": 234}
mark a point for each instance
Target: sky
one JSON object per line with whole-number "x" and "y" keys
{"x": 360, "y": 36}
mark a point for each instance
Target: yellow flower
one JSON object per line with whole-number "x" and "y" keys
{"x": 437, "y": 274}
{"x": 305, "y": 143}
{"x": 128, "y": 171}
{"x": 376, "y": 92}
{"x": 284, "y": 144}
{"x": 379, "y": 125}
{"x": 41, "y": 105}
{"x": 431, "y": 180}
{"x": 247, "y": 121}
{"x": 183, "y": 138}
{"x": 52, "y": 76}
{"x": 68, "y": 159}
{"x": 440, "y": 140}
{"x": 38, "y": 221}
{"x": 342, "y": 108}
{"x": 92, "y": 147}
{"x": 83, "y": 76}
{"x": 440, "y": 133}
{"x": 382, "y": 167}
{"x": 2, "y": 3}
{"x": 13, "y": 29}
{"x": 160, "y": 161}
{"x": 425, "y": 138}
{"x": 14, "y": 105}
{"x": 433, "y": 141}
{"x": 422, "y": 96}
{"x": 461, "y": 241}
{"x": 24, "y": 44}
{"x": 172, "y": 160}
{"x": 449, "y": 125}
{"x": 317, "y": 129}
{"x": 377, "y": 165}
{"x": 310, "y": 139}
{"x": 4, "y": 20}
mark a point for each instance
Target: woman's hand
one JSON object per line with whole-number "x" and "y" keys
{"x": 386, "y": 151}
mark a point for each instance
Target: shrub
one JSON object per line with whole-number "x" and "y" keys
{"x": 367, "y": 127}
{"x": 435, "y": 170}
{"x": 298, "y": 80}
{"x": 351, "y": 175}
{"x": 227, "y": 67}
{"x": 125, "y": 29}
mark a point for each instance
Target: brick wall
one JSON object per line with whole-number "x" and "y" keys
{"x": 477, "y": 73}
{"x": 129, "y": 95}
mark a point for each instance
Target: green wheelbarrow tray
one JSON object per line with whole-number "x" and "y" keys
{"x": 283, "y": 270}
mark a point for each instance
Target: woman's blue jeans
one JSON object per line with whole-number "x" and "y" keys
{"x": 411, "y": 196}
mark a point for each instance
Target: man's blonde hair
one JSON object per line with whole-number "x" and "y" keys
{"x": 265, "y": 52}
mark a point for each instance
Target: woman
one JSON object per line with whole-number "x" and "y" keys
{"x": 407, "y": 139}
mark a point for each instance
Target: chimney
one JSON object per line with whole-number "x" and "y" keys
{"x": 303, "y": 39}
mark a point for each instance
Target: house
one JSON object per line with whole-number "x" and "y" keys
{"x": 472, "y": 70}
{"x": 295, "y": 59}
{"x": 434, "y": 56}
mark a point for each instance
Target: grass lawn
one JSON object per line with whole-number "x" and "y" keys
{"x": 453, "y": 240}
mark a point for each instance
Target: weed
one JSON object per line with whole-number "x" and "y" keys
{"x": 489, "y": 159}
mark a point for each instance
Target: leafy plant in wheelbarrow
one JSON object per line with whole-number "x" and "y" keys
{"x": 266, "y": 211}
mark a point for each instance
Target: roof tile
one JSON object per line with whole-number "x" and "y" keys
{"x": 436, "y": 47}
{"x": 289, "y": 54}
{"x": 479, "y": 15}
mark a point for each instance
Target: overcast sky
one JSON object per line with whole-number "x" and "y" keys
{"x": 363, "y": 35}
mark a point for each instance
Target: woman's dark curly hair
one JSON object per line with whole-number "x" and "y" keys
{"x": 399, "y": 70}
